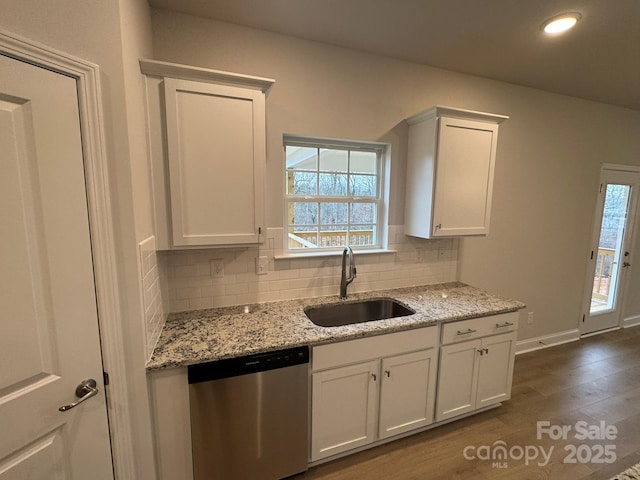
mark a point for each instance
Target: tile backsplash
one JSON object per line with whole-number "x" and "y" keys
{"x": 155, "y": 312}
{"x": 196, "y": 281}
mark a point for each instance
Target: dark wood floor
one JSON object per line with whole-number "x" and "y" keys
{"x": 592, "y": 380}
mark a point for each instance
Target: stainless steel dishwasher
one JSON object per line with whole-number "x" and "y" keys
{"x": 249, "y": 416}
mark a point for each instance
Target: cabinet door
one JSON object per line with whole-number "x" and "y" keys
{"x": 457, "y": 380}
{"x": 464, "y": 177}
{"x": 216, "y": 156}
{"x": 343, "y": 409}
{"x": 407, "y": 395}
{"x": 495, "y": 371}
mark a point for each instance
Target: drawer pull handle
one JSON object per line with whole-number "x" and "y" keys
{"x": 464, "y": 332}
{"x": 505, "y": 324}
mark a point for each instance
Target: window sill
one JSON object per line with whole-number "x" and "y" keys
{"x": 332, "y": 253}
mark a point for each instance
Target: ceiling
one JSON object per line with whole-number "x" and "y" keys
{"x": 500, "y": 39}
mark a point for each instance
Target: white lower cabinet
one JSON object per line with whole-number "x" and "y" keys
{"x": 475, "y": 372}
{"x": 407, "y": 392}
{"x": 344, "y": 405}
{"x": 385, "y": 392}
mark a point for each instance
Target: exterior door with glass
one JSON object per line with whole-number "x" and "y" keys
{"x": 610, "y": 254}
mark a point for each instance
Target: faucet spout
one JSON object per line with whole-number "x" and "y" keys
{"x": 345, "y": 279}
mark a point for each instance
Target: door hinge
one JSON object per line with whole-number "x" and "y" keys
{"x": 591, "y": 254}
{"x": 105, "y": 377}
{"x": 583, "y": 317}
{"x": 601, "y": 185}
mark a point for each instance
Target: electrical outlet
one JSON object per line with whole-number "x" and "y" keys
{"x": 262, "y": 265}
{"x": 530, "y": 318}
{"x": 217, "y": 268}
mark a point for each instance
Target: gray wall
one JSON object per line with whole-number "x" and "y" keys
{"x": 548, "y": 162}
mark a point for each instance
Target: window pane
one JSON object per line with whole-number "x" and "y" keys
{"x": 363, "y": 213}
{"x": 338, "y": 189}
{"x": 333, "y": 184}
{"x": 301, "y": 158}
{"x": 362, "y": 185}
{"x": 363, "y": 162}
{"x": 304, "y": 213}
{"x": 302, "y": 183}
{"x": 334, "y": 213}
{"x": 303, "y": 237}
{"x": 333, "y": 236}
{"x": 362, "y": 235}
{"x": 333, "y": 160}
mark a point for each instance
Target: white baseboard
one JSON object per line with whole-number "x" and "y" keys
{"x": 631, "y": 321}
{"x": 537, "y": 343}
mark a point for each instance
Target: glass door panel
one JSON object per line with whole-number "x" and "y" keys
{"x": 608, "y": 264}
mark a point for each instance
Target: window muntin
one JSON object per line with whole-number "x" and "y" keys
{"x": 333, "y": 194}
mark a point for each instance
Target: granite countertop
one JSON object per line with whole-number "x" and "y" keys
{"x": 214, "y": 334}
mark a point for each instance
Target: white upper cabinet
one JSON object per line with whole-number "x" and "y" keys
{"x": 450, "y": 163}
{"x": 207, "y": 137}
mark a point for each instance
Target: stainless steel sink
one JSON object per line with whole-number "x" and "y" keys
{"x": 339, "y": 314}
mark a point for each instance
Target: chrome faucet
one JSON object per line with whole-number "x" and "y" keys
{"x": 344, "y": 280}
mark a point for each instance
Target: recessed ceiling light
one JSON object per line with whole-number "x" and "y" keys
{"x": 560, "y": 23}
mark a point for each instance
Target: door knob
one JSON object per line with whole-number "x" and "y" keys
{"x": 84, "y": 391}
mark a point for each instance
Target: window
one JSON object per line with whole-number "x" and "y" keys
{"x": 334, "y": 192}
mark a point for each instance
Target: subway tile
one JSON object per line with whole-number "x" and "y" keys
{"x": 183, "y": 271}
{"x": 187, "y": 293}
{"x": 179, "y": 305}
{"x": 236, "y": 289}
{"x": 415, "y": 263}
{"x": 201, "y": 303}
{"x": 213, "y": 290}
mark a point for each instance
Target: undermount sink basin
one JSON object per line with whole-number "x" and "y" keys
{"x": 339, "y": 314}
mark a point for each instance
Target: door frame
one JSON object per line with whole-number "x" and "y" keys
{"x": 96, "y": 173}
{"x": 595, "y": 232}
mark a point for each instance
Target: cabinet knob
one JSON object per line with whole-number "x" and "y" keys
{"x": 387, "y": 373}
{"x": 374, "y": 377}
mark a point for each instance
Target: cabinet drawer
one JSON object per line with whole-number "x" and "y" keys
{"x": 363, "y": 349}
{"x": 479, "y": 327}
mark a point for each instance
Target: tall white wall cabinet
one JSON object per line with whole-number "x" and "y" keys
{"x": 207, "y": 139}
{"x": 451, "y": 157}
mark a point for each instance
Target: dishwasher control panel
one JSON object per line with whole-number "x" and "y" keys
{"x": 261, "y": 362}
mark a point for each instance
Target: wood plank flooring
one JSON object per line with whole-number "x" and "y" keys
{"x": 592, "y": 380}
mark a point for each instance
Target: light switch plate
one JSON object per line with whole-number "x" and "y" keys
{"x": 262, "y": 265}
{"x": 217, "y": 268}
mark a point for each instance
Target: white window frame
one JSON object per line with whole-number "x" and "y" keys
{"x": 383, "y": 151}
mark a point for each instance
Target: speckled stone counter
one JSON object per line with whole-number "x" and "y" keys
{"x": 205, "y": 335}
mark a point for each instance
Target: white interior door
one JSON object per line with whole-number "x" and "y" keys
{"x": 49, "y": 339}
{"x": 610, "y": 253}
